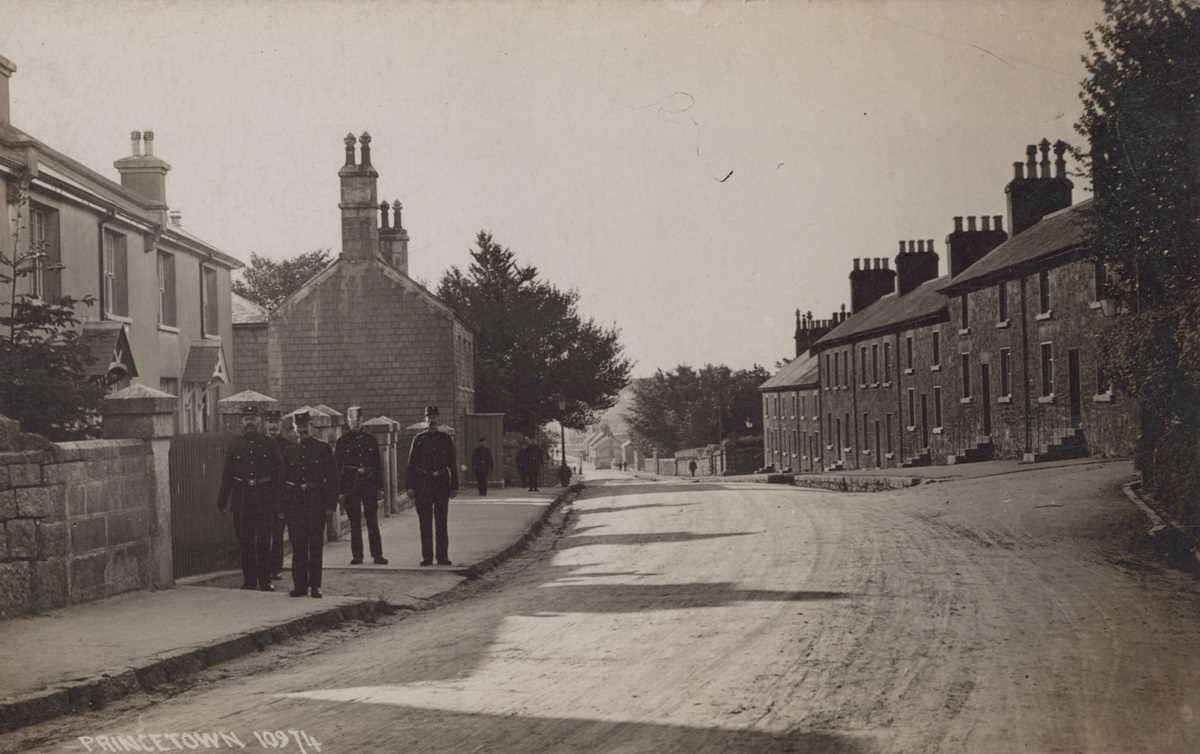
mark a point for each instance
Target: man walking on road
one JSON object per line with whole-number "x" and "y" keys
{"x": 481, "y": 464}
{"x": 275, "y": 433}
{"x": 250, "y": 488}
{"x": 310, "y": 489}
{"x": 361, "y": 470}
{"x": 529, "y": 460}
{"x": 432, "y": 480}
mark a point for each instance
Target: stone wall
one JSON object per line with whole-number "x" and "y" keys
{"x": 250, "y": 356}
{"x": 77, "y": 523}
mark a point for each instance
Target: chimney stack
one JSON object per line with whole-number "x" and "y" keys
{"x": 869, "y": 282}
{"x": 809, "y": 331}
{"x": 915, "y": 266}
{"x": 393, "y": 239}
{"x": 142, "y": 172}
{"x": 359, "y": 204}
{"x": 966, "y": 247}
{"x": 7, "y": 69}
{"x": 1032, "y": 196}
{"x": 176, "y": 218}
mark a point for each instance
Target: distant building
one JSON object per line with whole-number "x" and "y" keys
{"x": 162, "y": 316}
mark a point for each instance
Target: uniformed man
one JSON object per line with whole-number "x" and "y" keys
{"x": 311, "y": 488}
{"x": 360, "y": 468}
{"x": 533, "y": 463}
{"x": 271, "y": 420}
{"x": 432, "y": 480}
{"x": 481, "y": 464}
{"x": 249, "y": 487}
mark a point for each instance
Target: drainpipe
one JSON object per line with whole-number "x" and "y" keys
{"x": 1025, "y": 361}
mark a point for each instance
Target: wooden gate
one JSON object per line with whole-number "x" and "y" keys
{"x": 202, "y": 537}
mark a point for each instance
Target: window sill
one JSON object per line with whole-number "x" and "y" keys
{"x": 206, "y": 336}
{"x": 867, "y": 452}
{"x": 1103, "y": 397}
{"x": 1004, "y": 399}
{"x": 862, "y": 386}
{"x": 874, "y": 384}
{"x": 889, "y": 456}
{"x": 1046, "y": 398}
{"x": 828, "y": 447}
{"x": 910, "y": 429}
{"x": 935, "y": 368}
{"x": 887, "y": 384}
{"x": 964, "y": 331}
{"x": 908, "y": 371}
{"x": 965, "y": 401}
{"x": 118, "y": 318}
{"x": 168, "y": 328}
{"x": 1044, "y": 316}
{"x": 936, "y": 430}
{"x": 1002, "y": 325}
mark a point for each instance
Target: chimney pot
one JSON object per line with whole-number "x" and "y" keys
{"x": 912, "y": 246}
{"x": 1018, "y": 171}
{"x": 383, "y": 215}
{"x": 970, "y": 223}
{"x": 365, "y": 142}
{"x": 148, "y": 140}
{"x": 929, "y": 246}
{"x": 136, "y": 138}
{"x": 176, "y": 218}
{"x": 396, "y": 207}
{"x": 7, "y": 69}
{"x": 885, "y": 263}
{"x": 350, "y": 141}
{"x": 901, "y": 247}
{"x": 1031, "y": 161}
{"x": 920, "y": 245}
{"x": 856, "y": 265}
{"x": 958, "y": 223}
{"x": 998, "y": 221}
{"x": 986, "y": 222}
{"x": 1060, "y": 162}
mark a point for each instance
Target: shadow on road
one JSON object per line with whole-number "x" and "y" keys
{"x": 644, "y": 539}
{"x": 623, "y": 508}
{"x": 635, "y": 598}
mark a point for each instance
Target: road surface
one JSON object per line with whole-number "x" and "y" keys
{"x": 1007, "y": 614}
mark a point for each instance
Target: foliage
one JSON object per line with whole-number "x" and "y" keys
{"x": 680, "y": 408}
{"x": 43, "y": 363}
{"x": 532, "y": 344}
{"x": 1142, "y": 119}
{"x": 268, "y": 283}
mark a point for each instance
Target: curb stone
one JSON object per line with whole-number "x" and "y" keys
{"x": 100, "y": 690}
{"x": 1182, "y": 549}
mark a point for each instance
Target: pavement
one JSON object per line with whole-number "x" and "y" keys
{"x": 86, "y": 655}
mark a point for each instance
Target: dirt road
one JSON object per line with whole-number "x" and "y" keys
{"x": 1000, "y": 615}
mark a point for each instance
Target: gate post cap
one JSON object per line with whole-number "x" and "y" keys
{"x": 138, "y": 399}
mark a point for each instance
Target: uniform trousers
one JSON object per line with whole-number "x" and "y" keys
{"x": 481, "y": 479}
{"x": 306, "y": 530}
{"x": 360, "y": 504}
{"x": 276, "y": 559}
{"x": 433, "y": 509}
{"x": 253, "y": 529}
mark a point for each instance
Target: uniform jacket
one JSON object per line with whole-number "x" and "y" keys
{"x": 252, "y": 473}
{"x": 432, "y": 463}
{"x": 359, "y": 464}
{"x": 282, "y": 443}
{"x": 481, "y": 459}
{"x": 529, "y": 459}
{"x": 310, "y": 476}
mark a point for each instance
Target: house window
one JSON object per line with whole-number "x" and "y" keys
{"x": 166, "y": 289}
{"x": 866, "y": 438}
{"x": 829, "y": 431}
{"x": 849, "y": 427}
{"x": 937, "y": 348}
{"x": 1103, "y": 384}
{"x": 862, "y": 357}
{"x": 908, "y": 346}
{"x": 1005, "y": 379}
{"x": 964, "y": 316}
{"x": 846, "y": 368}
{"x": 1047, "y": 369}
{"x": 210, "y": 321}
{"x": 1101, "y": 280}
{"x": 1002, "y": 298}
{"x": 45, "y": 282}
{"x": 116, "y": 275}
{"x": 889, "y": 432}
{"x": 837, "y": 379}
{"x": 875, "y": 363}
{"x": 965, "y": 368}
{"x": 937, "y": 406}
{"x": 1044, "y": 292}
{"x": 912, "y": 407}
{"x": 887, "y": 362}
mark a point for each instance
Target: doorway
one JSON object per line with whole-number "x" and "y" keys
{"x": 985, "y": 387}
{"x": 1076, "y": 389}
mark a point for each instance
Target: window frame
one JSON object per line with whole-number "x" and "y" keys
{"x": 1005, "y": 372}
{"x": 936, "y": 348}
{"x": 1045, "y": 303}
{"x": 1002, "y": 301}
{"x": 208, "y": 307}
{"x": 964, "y": 363}
{"x": 1046, "y": 360}
{"x": 167, "y": 289}
{"x": 115, "y": 285}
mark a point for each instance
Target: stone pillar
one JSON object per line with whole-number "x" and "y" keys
{"x": 337, "y": 422}
{"x": 230, "y": 409}
{"x": 143, "y": 413}
{"x": 382, "y": 430}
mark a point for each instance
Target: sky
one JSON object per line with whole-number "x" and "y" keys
{"x": 697, "y": 170}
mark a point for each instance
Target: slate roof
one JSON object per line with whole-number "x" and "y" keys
{"x": 799, "y": 372}
{"x": 893, "y": 312}
{"x": 1057, "y": 232}
{"x": 204, "y": 363}
{"x": 246, "y": 312}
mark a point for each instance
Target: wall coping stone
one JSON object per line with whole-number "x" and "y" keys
{"x": 139, "y": 399}
{"x": 11, "y": 457}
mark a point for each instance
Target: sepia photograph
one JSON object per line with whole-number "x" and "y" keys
{"x": 614, "y": 376}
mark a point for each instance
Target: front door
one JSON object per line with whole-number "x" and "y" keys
{"x": 1076, "y": 397}
{"x": 878, "y": 452}
{"x": 985, "y": 386}
{"x": 924, "y": 421}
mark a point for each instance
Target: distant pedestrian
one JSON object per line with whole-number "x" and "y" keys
{"x": 271, "y": 421}
{"x": 692, "y": 466}
{"x": 481, "y": 464}
{"x": 250, "y": 489}
{"x": 529, "y": 460}
{"x": 310, "y": 492}
{"x": 360, "y": 469}
{"x": 432, "y": 480}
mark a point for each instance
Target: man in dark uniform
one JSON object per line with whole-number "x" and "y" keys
{"x": 432, "y": 480}
{"x": 481, "y": 464}
{"x": 361, "y": 473}
{"x": 250, "y": 488}
{"x": 275, "y": 432}
{"x": 533, "y": 464}
{"x": 311, "y": 487}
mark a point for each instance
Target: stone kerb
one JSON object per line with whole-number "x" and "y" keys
{"x": 230, "y": 409}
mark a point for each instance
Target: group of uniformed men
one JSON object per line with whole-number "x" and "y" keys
{"x": 269, "y": 481}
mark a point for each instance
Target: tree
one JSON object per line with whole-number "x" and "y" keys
{"x": 1141, "y": 117}
{"x": 532, "y": 344}
{"x": 268, "y": 283}
{"x": 43, "y": 363}
{"x": 686, "y": 407}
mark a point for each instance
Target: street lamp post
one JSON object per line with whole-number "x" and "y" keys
{"x": 564, "y": 473}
